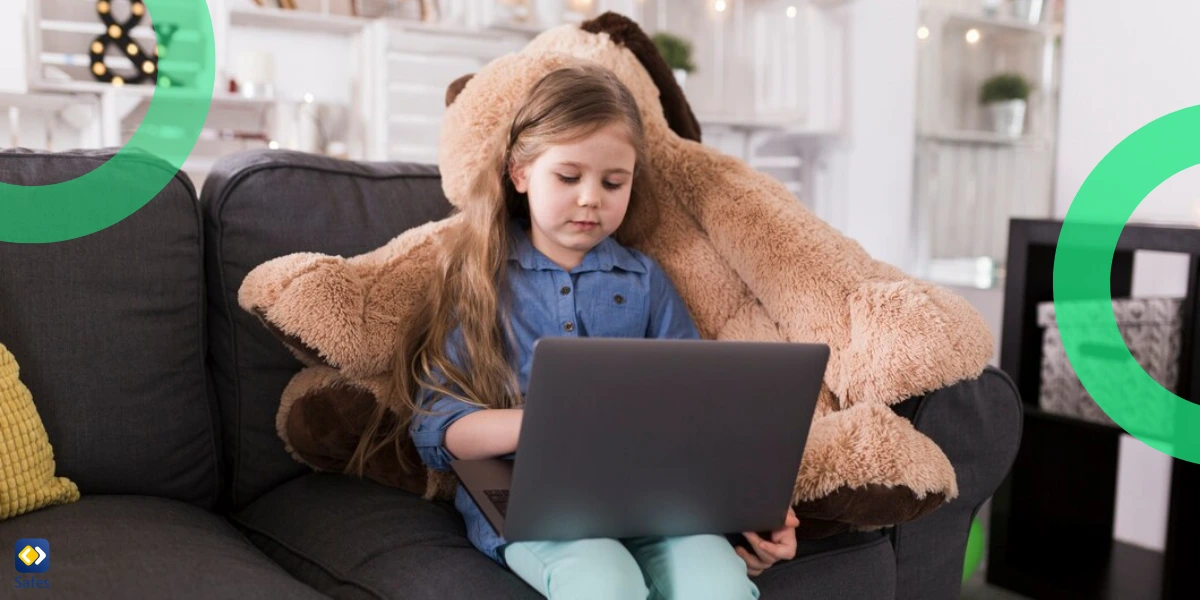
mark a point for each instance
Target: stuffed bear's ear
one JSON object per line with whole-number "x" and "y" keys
{"x": 456, "y": 87}
{"x": 623, "y": 30}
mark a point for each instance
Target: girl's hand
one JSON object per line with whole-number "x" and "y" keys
{"x": 781, "y": 546}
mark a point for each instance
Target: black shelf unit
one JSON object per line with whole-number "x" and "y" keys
{"x": 1052, "y": 518}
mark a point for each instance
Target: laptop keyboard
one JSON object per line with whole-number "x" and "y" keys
{"x": 499, "y": 499}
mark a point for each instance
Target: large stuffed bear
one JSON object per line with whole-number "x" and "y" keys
{"x": 748, "y": 259}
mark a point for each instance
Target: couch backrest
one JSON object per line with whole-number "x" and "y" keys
{"x": 108, "y": 330}
{"x": 259, "y": 205}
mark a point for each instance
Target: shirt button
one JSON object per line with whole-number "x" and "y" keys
{"x": 566, "y": 290}
{"x": 619, "y": 299}
{"x": 569, "y": 326}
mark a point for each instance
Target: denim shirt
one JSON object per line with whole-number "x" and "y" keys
{"x": 614, "y": 292}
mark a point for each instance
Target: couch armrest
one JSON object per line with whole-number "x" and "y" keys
{"x": 977, "y": 423}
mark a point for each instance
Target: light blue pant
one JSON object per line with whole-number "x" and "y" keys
{"x": 691, "y": 567}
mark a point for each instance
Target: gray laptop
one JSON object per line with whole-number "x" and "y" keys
{"x": 638, "y": 437}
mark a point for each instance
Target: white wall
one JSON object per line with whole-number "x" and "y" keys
{"x": 1125, "y": 64}
{"x": 874, "y": 181}
{"x": 12, "y": 47}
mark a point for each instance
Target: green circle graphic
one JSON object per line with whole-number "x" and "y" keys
{"x": 146, "y": 164}
{"x": 1082, "y": 292}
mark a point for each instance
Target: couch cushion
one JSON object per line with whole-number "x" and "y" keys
{"x": 142, "y": 547}
{"x": 850, "y": 566}
{"x": 109, "y": 329}
{"x": 351, "y": 538}
{"x": 259, "y": 205}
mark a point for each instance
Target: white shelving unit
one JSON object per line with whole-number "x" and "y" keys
{"x": 44, "y": 102}
{"x": 53, "y": 113}
{"x": 92, "y": 29}
{"x": 770, "y": 85}
{"x": 774, "y": 61}
{"x": 968, "y": 179}
{"x": 952, "y": 68}
{"x": 295, "y": 20}
{"x": 416, "y": 64}
{"x": 981, "y": 137}
{"x": 793, "y": 155}
{"x": 60, "y": 31}
{"x": 980, "y": 18}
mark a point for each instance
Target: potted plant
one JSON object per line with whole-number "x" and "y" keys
{"x": 1005, "y": 96}
{"x": 677, "y": 52}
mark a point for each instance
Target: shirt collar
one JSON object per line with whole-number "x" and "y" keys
{"x": 608, "y": 254}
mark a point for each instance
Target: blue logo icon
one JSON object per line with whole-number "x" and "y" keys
{"x": 32, "y": 555}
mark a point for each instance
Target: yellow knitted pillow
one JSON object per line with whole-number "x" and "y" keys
{"x": 27, "y": 480}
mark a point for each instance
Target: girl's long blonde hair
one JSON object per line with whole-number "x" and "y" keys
{"x": 469, "y": 292}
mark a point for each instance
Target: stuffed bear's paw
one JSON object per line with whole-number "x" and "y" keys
{"x": 347, "y": 313}
{"x": 321, "y": 418}
{"x": 309, "y": 301}
{"x": 294, "y": 296}
{"x": 866, "y": 467}
{"x": 906, "y": 338}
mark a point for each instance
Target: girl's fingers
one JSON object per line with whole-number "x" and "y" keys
{"x": 757, "y": 561}
{"x": 753, "y": 559}
{"x": 787, "y": 550}
{"x": 756, "y": 542}
{"x": 786, "y": 538}
{"x": 771, "y": 550}
{"x": 753, "y": 565}
{"x": 785, "y": 545}
{"x": 779, "y": 535}
{"x": 791, "y": 522}
{"x": 766, "y": 551}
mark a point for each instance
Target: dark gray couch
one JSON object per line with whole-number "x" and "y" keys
{"x": 159, "y": 395}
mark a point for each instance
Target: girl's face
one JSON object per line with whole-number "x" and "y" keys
{"x": 578, "y": 193}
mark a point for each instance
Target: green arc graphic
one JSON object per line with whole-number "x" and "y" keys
{"x": 141, "y": 168}
{"x": 1082, "y": 292}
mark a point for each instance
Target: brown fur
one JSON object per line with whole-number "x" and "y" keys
{"x": 626, "y": 33}
{"x": 749, "y": 260}
{"x": 456, "y": 88}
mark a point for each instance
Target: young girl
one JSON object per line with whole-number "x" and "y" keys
{"x": 537, "y": 255}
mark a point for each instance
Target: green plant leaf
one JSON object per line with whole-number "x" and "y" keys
{"x": 1004, "y": 86}
{"x": 675, "y": 50}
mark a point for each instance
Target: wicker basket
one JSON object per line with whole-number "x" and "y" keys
{"x": 1152, "y": 330}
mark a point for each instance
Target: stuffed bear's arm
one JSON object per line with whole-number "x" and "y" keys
{"x": 891, "y": 337}
{"x": 345, "y": 312}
